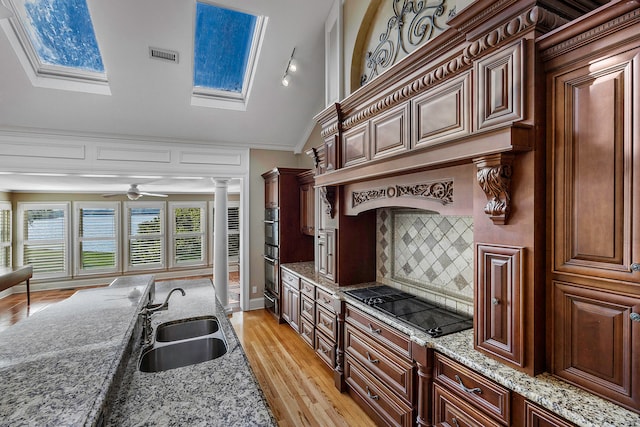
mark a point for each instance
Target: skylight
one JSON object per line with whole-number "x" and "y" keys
{"x": 226, "y": 44}
{"x": 58, "y": 40}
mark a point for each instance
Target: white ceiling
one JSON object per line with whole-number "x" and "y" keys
{"x": 151, "y": 98}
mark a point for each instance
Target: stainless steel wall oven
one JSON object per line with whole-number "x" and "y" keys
{"x": 271, "y": 261}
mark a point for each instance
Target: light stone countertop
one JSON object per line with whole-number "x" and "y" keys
{"x": 569, "y": 402}
{"x": 219, "y": 392}
{"x": 75, "y": 364}
{"x": 60, "y": 365}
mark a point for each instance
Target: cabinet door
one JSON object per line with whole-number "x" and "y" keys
{"x": 294, "y": 318}
{"x": 326, "y": 259}
{"x": 596, "y": 336}
{"x": 285, "y": 307}
{"x": 596, "y": 161}
{"x": 271, "y": 199}
{"x": 307, "y": 209}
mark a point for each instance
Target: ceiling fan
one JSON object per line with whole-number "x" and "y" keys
{"x": 133, "y": 193}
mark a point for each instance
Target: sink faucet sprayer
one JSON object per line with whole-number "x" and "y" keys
{"x": 148, "y": 312}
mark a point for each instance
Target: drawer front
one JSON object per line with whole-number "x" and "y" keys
{"x": 326, "y": 322}
{"x": 290, "y": 279}
{"x": 307, "y": 308}
{"x": 325, "y": 299}
{"x": 307, "y": 332}
{"x": 368, "y": 391}
{"x": 378, "y": 331}
{"x": 473, "y": 388}
{"x": 308, "y": 289}
{"x": 326, "y": 349}
{"x": 451, "y": 410}
{"x": 393, "y": 370}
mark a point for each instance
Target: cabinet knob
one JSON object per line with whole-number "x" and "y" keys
{"x": 495, "y": 301}
{"x": 635, "y": 266}
{"x": 635, "y": 317}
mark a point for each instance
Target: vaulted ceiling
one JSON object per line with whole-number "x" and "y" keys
{"x": 150, "y": 98}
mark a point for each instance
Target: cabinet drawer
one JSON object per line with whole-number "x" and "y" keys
{"x": 307, "y": 332}
{"x": 290, "y": 279}
{"x": 378, "y": 331}
{"x": 326, "y": 322}
{"x": 395, "y": 371}
{"x": 451, "y": 410}
{"x": 307, "y": 309}
{"x": 324, "y": 298}
{"x": 473, "y": 388}
{"x": 368, "y": 391}
{"x": 326, "y": 349}
{"x": 308, "y": 289}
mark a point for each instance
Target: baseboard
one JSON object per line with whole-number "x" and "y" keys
{"x": 256, "y": 304}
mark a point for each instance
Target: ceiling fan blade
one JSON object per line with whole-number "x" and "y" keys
{"x": 152, "y": 194}
{"x": 112, "y": 194}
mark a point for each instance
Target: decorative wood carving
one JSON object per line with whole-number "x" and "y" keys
{"x": 494, "y": 177}
{"x": 441, "y": 191}
{"x": 412, "y": 24}
{"x": 328, "y": 194}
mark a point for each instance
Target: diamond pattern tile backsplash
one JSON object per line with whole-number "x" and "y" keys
{"x": 427, "y": 254}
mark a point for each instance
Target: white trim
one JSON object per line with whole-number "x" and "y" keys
{"x": 333, "y": 54}
{"x": 7, "y": 206}
{"x": 244, "y": 244}
{"x": 255, "y": 304}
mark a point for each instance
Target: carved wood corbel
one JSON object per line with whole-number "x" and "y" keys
{"x": 328, "y": 194}
{"x": 494, "y": 177}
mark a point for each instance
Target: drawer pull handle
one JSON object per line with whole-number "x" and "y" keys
{"x": 326, "y": 301}
{"x": 377, "y": 331}
{"x": 635, "y": 317}
{"x": 468, "y": 390}
{"x": 372, "y": 360}
{"x": 455, "y": 422}
{"x": 372, "y": 396}
{"x": 325, "y": 324}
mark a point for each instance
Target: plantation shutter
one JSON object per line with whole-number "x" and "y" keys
{"x": 44, "y": 247}
{"x": 97, "y": 239}
{"x": 233, "y": 232}
{"x": 5, "y": 236}
{"x": 188, "y": 235}
{"x": 145, "y": 237}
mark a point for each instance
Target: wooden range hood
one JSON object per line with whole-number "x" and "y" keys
{"x": 469, "y": 104}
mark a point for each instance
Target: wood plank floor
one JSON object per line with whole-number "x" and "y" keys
{"x": 297, "y": 384}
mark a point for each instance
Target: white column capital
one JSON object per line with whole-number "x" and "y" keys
{"x": 221, "y": 182}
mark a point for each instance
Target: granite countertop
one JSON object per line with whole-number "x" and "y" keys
{"x": 59, "y": 366}
{"x": 219, "y": 392}
{"x": 573, "y": 404}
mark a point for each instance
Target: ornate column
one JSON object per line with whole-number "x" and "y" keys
{"x": 220, "y": 244}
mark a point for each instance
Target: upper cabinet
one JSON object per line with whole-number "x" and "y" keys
{"x": 593, "y": 78}
{"x": 307, "y": 203}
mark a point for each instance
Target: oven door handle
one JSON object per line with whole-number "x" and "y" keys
{"x": 270, "y": 298}
{"x": 269, "y": 259}
{"x": 269, "y": 221}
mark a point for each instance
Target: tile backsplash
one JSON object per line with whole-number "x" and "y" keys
{"x": 427, "y": 254}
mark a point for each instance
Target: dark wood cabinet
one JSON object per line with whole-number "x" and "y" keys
{"x": 594, "y": 136}
{"x": 326, "y": 248}
{"x": 307, "y": 203}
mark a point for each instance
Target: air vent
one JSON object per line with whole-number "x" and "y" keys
{"x": 163, "y": 54}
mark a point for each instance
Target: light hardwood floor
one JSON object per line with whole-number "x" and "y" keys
{"x": 297, "y": 384}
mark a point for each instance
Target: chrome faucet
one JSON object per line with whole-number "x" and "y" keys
{"x": 165, "y": 304}
{"x": 148, "y": 311}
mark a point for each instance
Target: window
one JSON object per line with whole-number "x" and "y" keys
{"x": 5, "y": 234}
{"x": 226, "y": 45}
{"x": 188, "y": 233}
{"x": 146, "y": 236}
{"x": 44, "y": 238}
{"x": 97, "y": 228}
{"x": 233, "y": 231}
{"x": 57, "y": 39}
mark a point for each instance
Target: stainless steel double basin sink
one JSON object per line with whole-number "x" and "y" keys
{"x": 184, "y": 342}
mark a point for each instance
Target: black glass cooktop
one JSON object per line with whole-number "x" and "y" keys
{"x": 426, "y": 316}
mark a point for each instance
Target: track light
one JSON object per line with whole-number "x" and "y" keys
{"x": 292, "y": 67}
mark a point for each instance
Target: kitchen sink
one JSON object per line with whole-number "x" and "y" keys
{"x": 182, "y": 353}
{"x": 187, "y": 328}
